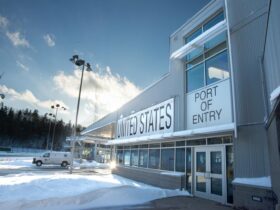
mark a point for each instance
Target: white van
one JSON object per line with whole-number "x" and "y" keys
{"x": 53, "y": 158}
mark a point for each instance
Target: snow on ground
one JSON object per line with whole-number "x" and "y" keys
{"x": 45, "y": 190}
{"x": 15, "y": 162}
{"x": 69, "y": 191}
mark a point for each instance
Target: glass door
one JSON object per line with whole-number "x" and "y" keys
{"x": 210, "y": 173}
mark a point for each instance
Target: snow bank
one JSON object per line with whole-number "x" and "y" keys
{"x": 26, "y": 162}
{"x": 65, "y": 191}
{"x": 15, "y": 162}
{"x": 258, "y": 182}
{"x": 90, "y": 164}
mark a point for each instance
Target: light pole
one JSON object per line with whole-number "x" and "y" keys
{"x": 78, "y": 62}
{"x": 55, "y": 107}
{"x": 50, "y": 123}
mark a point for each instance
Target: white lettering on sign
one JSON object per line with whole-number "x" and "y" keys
{"x": 156, "y": 119}
{"x": 209, "y": 106}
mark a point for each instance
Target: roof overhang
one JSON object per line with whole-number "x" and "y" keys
{"x": 200, "y": 40}
{"x": 88, "y": 139}
{"x": 198, "y": 132}
{"x": 106, "y": 131}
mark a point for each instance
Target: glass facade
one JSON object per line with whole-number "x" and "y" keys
{"x": 167, "y": 159}
{"x": 209, "y": 63}
{"x": 134, "y": 157}
{"x": 189, "y": 169}
{"x": 143, "y": 158}
{"x": 126, "y": 157}
{"x": 180, "y": 159}
{"x": 217, "y": 68}
{"x": 154, "y": 158}
{"x": 229, "y": 172}
{"x": 120, "y": 157}
{"x": 178, "y": 156}
{"x": 195, "y": 78}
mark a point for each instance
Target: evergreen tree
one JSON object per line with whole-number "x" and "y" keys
{"x": 26, "y": 128}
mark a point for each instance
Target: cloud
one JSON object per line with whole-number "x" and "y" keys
{"x": 3, "y": 22}
{"x": 49, "y": 39}
{"x": 28, "y": 97}
{"x": 103, "y": 92}
{"x": 22, "y": 66}
{"x": 17, "y": 39}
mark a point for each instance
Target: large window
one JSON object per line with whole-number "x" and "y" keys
{"x": 217, "y": 68}
{"x": 134, "y": 157}
{"x": 143, "y": 158}
{"x": 154, "y": 158}
{"x": 189, "y": 169}
{"x": 126, "y": 157}
{"x": 180, "y": 159}
{"x": 120, "y": 157}
{"x": 167, "y": 159}
{"x": 195, "y": 78}
{"x": 204, "y": 27}
{"x": 208, "y": 63}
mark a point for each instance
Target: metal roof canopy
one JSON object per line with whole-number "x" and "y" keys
{"x": 179, "y": 134}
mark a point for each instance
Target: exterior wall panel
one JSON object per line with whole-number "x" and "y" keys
{"x": 272, "y": 49}
{"x": 251, "y": 152}
{"x": 272, "y": 76}
{"x": 171, "y": 86}
{"x": 151, "y": 177}
{"x": 247, "y": 71}
{"x": 248, "y": 29}
{"x": 241, "y": 10}
{"x": 274, "y": 156}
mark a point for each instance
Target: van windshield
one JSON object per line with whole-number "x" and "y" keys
{"x": 46, "y": 155}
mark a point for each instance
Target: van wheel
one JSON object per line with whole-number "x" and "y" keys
{"x": 64, "y": 164}
{"x": 39, "y": 163}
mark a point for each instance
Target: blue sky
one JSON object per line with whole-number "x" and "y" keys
{"x": 125, "y": 41}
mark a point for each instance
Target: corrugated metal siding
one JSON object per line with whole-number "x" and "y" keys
{"x": 272, "y": 49}
{"x": 274, "y": 156}
{"x": 247, "y": 48}
{"x": 248, "y": 28}
{"x": 241, "y": 9}
{"x": 251, "y": 152}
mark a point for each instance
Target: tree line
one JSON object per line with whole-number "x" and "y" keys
{"x": 26, "y": 128}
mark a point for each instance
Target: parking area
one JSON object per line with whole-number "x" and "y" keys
{"x": 95, "y": 182}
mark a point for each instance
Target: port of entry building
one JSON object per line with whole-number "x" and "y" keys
{"x": 211, "y": 124}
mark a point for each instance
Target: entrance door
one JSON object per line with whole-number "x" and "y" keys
{"x": 209, "y": 173}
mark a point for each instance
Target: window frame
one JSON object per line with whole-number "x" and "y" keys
{"x": 204, "y": 51}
